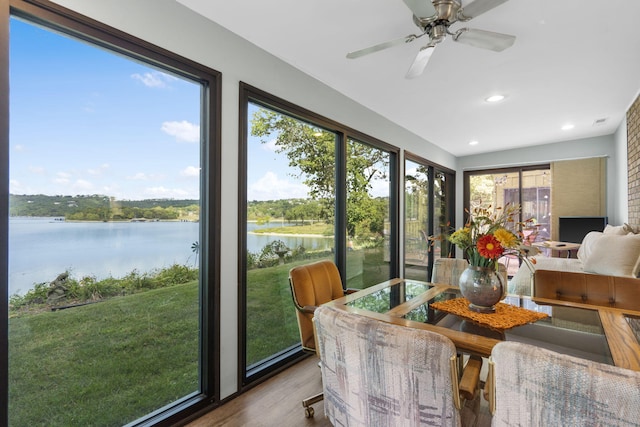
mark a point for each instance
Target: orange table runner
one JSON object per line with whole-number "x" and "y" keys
{"x": 506, "y": 315}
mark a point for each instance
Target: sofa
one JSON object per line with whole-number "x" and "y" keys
{"x": 605, "y": 271}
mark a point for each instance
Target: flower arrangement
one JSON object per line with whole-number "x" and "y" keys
{"x": 487, "y": 236}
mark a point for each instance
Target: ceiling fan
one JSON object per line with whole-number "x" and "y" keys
{"x": 434, "y": 17}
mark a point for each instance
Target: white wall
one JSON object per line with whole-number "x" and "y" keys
{"x": 603, "y": 146}
{"x": 169, "y": 25}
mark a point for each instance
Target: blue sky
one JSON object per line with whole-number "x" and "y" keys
{"x": 87, "y": 121}
{"x": 268, "y": 172}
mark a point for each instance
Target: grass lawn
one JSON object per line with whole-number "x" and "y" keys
{"x": 109, "y": 363}
{"x": 104, "y": 364}
{"x": 318, "y": 228}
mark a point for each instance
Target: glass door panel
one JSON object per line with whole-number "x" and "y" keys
{"x": 290, "y": 221}
{"x": 416, "y": 220}
{"x": 368, "y": 223}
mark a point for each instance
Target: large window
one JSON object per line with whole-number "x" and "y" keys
{"x": 290, "y": 216}
{"x": 368, "y": 215}
{"x": 428, "y": 215}
{"x": 112, "y": 258}
{"x": 529, "y": 187}
{"x": 310, "y": 191}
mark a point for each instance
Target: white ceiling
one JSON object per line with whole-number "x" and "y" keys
{"x": 574, "y": 61}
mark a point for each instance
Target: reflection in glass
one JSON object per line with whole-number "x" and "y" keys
{"x": 416, "y": 218}
{"x": 390, "y": 297}
{"x": 368, "y": 223}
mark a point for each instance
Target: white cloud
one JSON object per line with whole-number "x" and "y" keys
{"x": 183, "y": 131}
{"x": 82, "y": 185}
{"x": 270, "y": 145}
{"x": 190, "y": 171}
{"x": 270, "y": 187}
{"x": 15, "y": 186}
{"x": 140, "y": 176}
{"x": 168, "y": 193}
{"x": 99, "y": 170}
{"x": 154, "y": 79}
{"x": 38, "y": 170}
{"x": 62, "y": 178}
{"x": 19, "y": 147}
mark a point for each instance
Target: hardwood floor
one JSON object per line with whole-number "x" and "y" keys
{"x": 275, "y": 403}
{"x": 278, "y": 402}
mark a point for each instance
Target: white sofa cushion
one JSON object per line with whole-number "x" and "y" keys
{"x": 614, "y": 255}
{"x": 588, "y": 243}
{"x": 615, "y": 229}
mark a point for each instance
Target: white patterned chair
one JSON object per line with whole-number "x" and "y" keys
{"x": 531, "y": 386}
{"x": 379, "y": 374}
{"x": 447, "y": 271}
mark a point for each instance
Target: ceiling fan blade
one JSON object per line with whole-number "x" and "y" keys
{"x": 477, "y": 8}
{"x": 484, "y": 39}
{"x": 381, "y": 46}
{"x": 421, "y": 61}
{"x": 421, "y": 8}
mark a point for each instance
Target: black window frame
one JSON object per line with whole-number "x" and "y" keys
{"x": 343, "y": 133}
{"x": 450, "y": 194}
{"x": 57, "y": 18}
{"x": 466, "y": 191}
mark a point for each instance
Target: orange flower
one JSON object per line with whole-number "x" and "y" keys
{"x": 489, "y": 247}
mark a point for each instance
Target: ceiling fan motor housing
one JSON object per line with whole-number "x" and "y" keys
{"x": 446, "y": 10}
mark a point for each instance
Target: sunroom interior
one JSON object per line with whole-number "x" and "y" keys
{"x": 240, "y": 81}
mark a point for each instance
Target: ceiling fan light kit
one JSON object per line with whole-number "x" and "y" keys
{"x": 434, "y": 17}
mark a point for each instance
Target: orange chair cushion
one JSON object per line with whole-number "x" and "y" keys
{"x": 313, "y": 285}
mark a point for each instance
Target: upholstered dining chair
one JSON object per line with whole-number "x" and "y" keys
{"x": 380, "y": 374}
{"x": 311, "y": 286}
{"x": 447, "y": 271}
{"x": 532, "y": 386}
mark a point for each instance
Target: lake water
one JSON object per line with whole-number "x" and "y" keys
{"x": 42, "y": 248}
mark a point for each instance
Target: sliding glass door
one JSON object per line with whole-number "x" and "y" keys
{"x": 428, "y": 215}
{"x": 529, "y": 187}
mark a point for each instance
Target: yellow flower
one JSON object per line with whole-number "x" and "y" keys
{"x": 461, "y": 237}
{"x": 506, "y": 238}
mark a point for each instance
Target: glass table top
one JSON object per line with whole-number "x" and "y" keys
{"x": 568, "y": 330}
{"x": 391, "y": 297}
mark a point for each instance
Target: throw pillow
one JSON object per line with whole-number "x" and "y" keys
{"x": 616, "y": 229}
{"x": 588, "y": 243}
{"x": 615, "y": 255}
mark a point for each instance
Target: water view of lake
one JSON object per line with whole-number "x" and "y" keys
{"x": 42, "y": 248}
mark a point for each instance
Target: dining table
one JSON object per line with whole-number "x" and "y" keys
{"x": 604, "y": 334}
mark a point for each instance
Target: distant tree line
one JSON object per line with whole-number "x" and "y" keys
{"x": 98, "y": 207}
{"x": 291, "y": 210}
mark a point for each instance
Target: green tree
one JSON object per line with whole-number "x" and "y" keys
{"x": 311, "y": 154}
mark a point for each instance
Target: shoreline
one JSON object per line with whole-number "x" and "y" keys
{"x": 291, "y": 234}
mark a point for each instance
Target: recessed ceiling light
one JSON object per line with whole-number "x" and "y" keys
{"x": 495, "y": 98}
{"x": 474, "y": 142}
{"x": 568, "y": 126}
